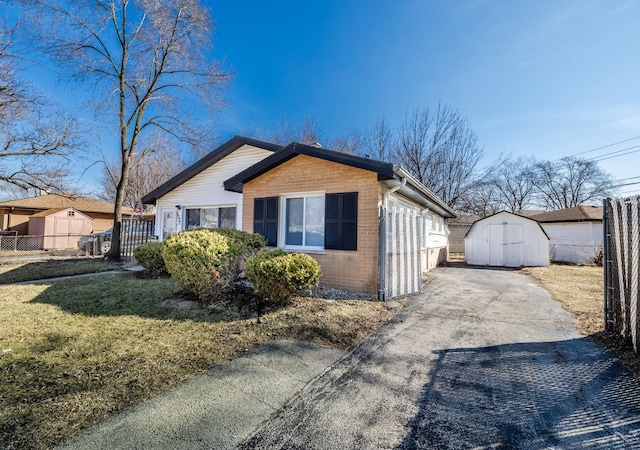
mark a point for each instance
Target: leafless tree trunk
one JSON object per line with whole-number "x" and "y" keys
{"x": 159, "y": 165}
{"x": 482, "y": 199}
{"x": 571, "y": 182}
{"x": 440, "y": 149}
{"x": 36, "y": 140}
{"x": 379, "y": 140}
{"x": 351, "y": 143}
{"x": 149, "y": 62}
{"x": 515, "y": 179}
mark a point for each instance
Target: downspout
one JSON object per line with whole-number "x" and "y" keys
{"x": 383, "y": 241}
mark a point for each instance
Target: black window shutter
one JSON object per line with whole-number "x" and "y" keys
{"x": 341, "y": 221}
{"x": 265, "y": 219}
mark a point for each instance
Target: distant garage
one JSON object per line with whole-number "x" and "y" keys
{"x": 506, "y": 240}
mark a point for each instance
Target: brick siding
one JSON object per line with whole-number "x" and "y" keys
{"x": 352, "y": 270}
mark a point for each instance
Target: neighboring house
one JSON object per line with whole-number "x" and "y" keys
{"x": 507, "y": 240}
{"x": 59, "y": 228}
{"x": 16, "y": 213}
{"x": 575, "y": 233}
{"x": 328, "y": 204}
{"x": 196, "y": 196}
{"x": 458, "y": 228}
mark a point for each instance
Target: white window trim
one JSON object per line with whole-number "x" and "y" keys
{"x": 282, "y": 222}
{"x": 183, "y": 213}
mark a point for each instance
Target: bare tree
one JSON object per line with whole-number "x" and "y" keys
{"x": 515, "y": 179}
{"x": 482, "y": 199}
{"x": 379, "y": 140}
{"x": 351, "y": 143}
{"x": 307, "y": 131}
{"x": 37, "y": 141}
{"x": 150, "y": 65}
{"x": 571, "y": 182}
{"x": 440, "y": 149}
{"x": 158, "y": 166}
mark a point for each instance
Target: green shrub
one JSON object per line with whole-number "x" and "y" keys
{"x": 149, "y": 256}
{"x": 250, "y": 242}
{"x": 205, "y": 261}
{"x": 277, "y": 276}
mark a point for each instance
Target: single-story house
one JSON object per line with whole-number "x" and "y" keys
{"x": 59, "y": 228}
{"x": 196, "y": 197}
{"x": 16, "y": 213}
{"x": 575, "y": 233}
{"x": 328, "y": 204}
{"x": 507, "y": 240}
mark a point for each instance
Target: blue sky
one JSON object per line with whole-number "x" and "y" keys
{"x": 548, "y": 78}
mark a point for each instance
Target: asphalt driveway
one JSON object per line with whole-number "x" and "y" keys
{"x": 484, "y": 359}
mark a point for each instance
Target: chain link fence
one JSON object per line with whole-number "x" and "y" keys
{"x": 11, "y": 242}
{"x": 621, "y": 266}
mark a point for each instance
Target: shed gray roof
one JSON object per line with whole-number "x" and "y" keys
{"x": 575, "y": 214}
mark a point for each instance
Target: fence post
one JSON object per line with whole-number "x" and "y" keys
{"x": 383, "y": 255}
{"x": 609, "y": 313}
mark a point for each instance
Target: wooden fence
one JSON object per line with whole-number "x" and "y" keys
{"x": 621, "y": 260}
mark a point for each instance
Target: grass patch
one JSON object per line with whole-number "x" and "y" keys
{"x": 28, "y": 271}
{"x": 74, "y": 352}
{"x": 578, "y": 288}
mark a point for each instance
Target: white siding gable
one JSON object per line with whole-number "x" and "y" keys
{"x": 206, "y": 189}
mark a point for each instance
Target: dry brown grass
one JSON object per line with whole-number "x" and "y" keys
{"x": 578, "y": 288}
{"x": 77, "y": 351}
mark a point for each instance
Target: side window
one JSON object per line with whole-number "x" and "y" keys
{"x": 265, "y": 219}
{"x": 341, "y": 221}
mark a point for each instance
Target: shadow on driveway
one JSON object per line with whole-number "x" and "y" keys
{"x": 565, "y": 394}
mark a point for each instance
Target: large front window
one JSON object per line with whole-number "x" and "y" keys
{"x": 304, "y": 222}
{"x": 211, "y": 217}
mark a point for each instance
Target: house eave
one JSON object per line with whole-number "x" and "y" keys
{"x": 204, "y": 163}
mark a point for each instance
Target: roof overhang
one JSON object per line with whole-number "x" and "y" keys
{"x": 388, "y": 174}
{"x": 204, "y": 163}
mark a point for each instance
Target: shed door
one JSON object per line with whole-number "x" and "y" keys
{"x": 496, "y": 244}
{"x": 514, "y": 245}
{"x": 506, "y": 245}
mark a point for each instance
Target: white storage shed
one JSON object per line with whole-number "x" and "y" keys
{"x": 507, "y": 240}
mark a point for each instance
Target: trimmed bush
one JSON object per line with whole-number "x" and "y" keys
{"x": 250, "y": 242}
{"x": 149, "y": 256}
{"x": 277, "y": 276}
{"x": 205, "y": 261}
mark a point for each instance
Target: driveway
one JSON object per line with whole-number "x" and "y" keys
{"x": 484, "y": 359}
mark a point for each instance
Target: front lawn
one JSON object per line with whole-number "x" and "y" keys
{"x": 28, "y": 271}
{"x": 76, "y": 351}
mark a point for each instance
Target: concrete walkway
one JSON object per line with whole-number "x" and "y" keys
{"x": 131, "y": 268}
{"x": 216, "y": 410}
